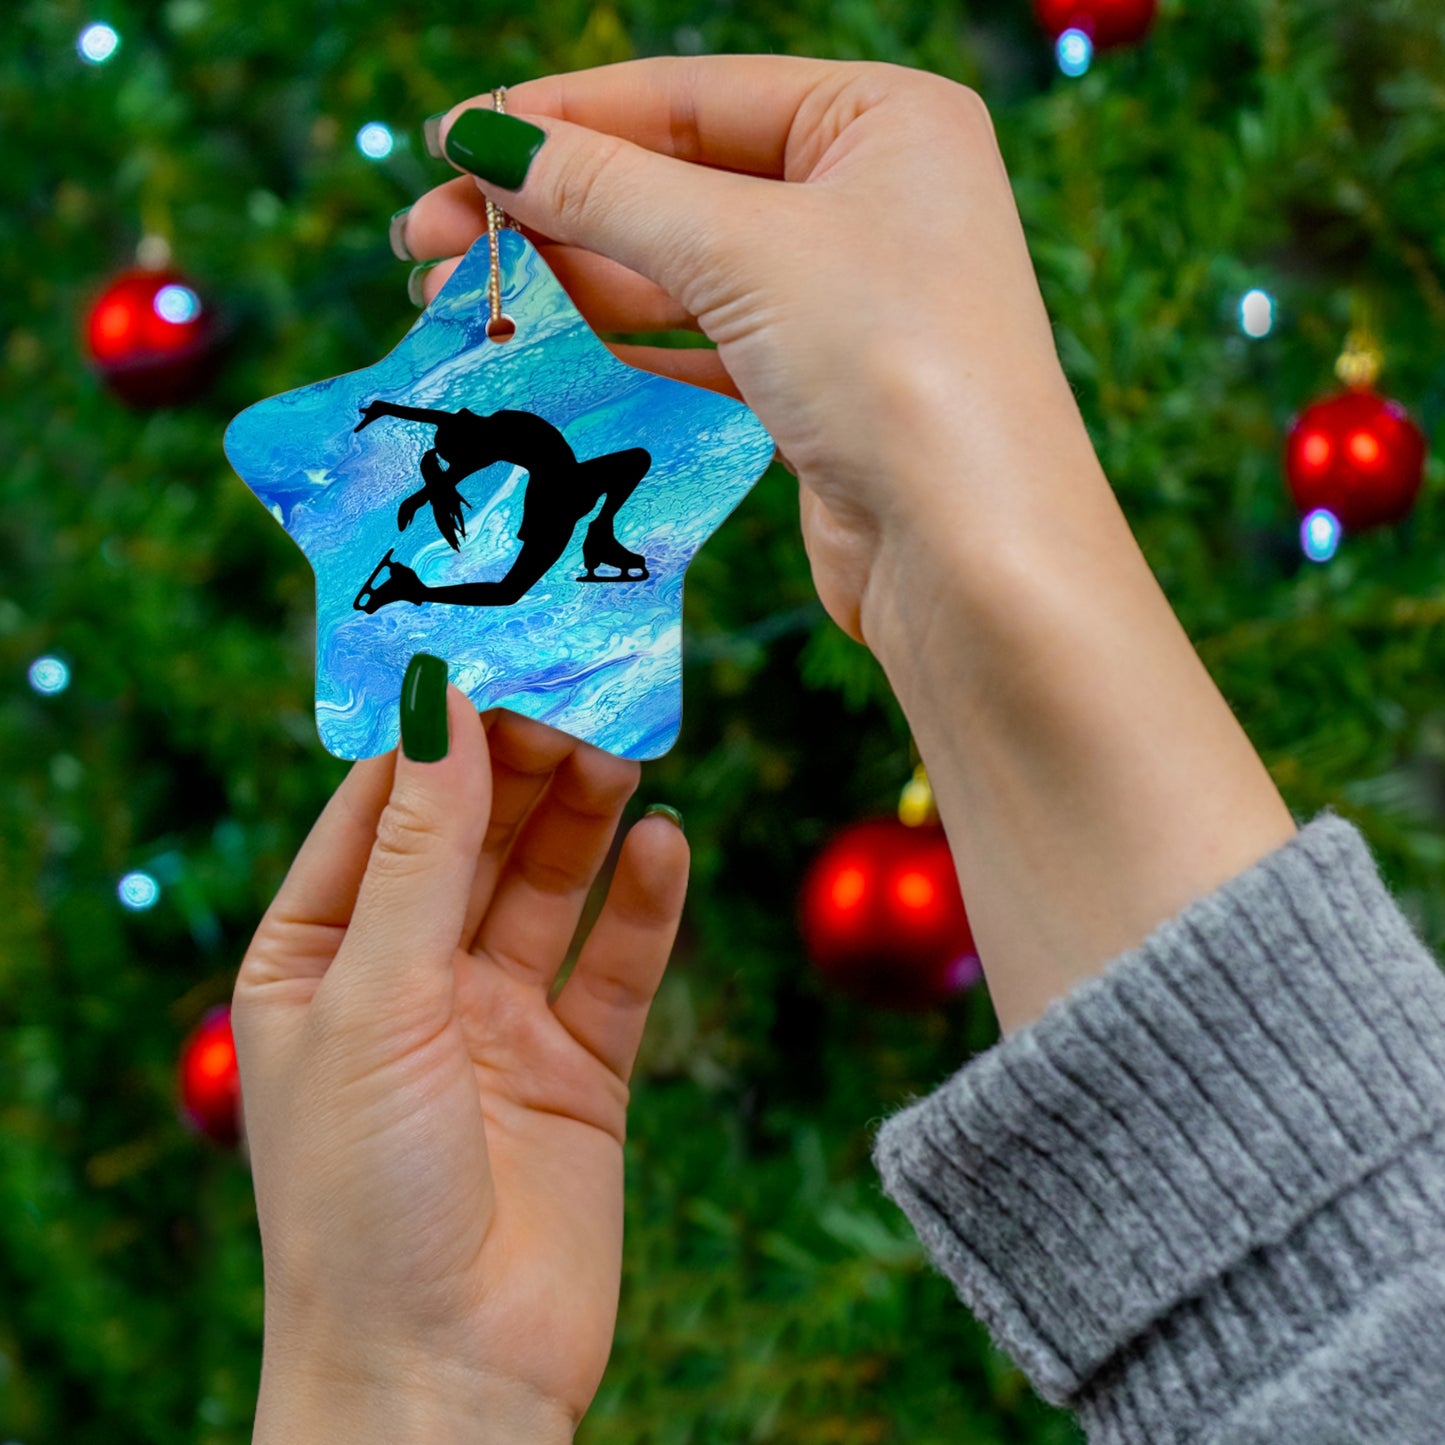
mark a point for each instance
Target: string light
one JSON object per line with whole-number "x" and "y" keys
{"x": 138, "y": 891}
{"x": 375, "y": 140}
{"x": 177, "y": 304}
{"x": 1075, "y": 52}
{"x": 97, "y": 43}
{"x": 49, "y": 675}
{"x": 1320, "y": 535}
{"x": 1256, "y": 313}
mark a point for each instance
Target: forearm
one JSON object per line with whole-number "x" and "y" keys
{"x": 321, "y": 1405}
{"x": 1091, "y": 778}
{"x": 1204, "y": 1198}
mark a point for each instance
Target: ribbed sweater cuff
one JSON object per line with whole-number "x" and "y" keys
{"x": 1206, "y": 1110}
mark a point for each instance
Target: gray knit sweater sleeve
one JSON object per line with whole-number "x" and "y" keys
{"x": 1201, "y": 1200}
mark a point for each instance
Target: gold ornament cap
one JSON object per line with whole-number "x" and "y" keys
{"x": 1360, "y": 362}
{"x": 915, "y": 804}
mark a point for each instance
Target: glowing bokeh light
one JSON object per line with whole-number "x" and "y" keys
{"x": 914, "y": 890}
{"x": 1075, "y": 53}
{"x": 849, "y": 887}
{"x": 1256, "y": 313}
{"x": 114, "y": 323}
{"x": 1320, "y": 535}
{"x": 97, "y": 43}
{"x": 138, "y": 891}
{"x": 375, "y": 140}
{"x": 177, "y": 304}
{"x": 49, "y": 675}
{"x": 1364, "y": 448}
{"x": 1315, "y": 450}
{"x": 967, "y": 968}
{"x": 216, "y": 1058}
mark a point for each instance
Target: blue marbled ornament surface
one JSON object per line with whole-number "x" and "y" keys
{"x": 600, "y": 661}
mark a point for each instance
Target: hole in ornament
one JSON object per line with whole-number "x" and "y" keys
{"x": 502, "y": 329}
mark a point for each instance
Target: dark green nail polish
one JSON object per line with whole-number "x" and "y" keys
{"x": 498, "y": 148}
{"x": 671, "y": 814}
{"x": 396, "y": 234}
{"x": 431, "y": 133}
{"x": 414, "y": 293}
{"x": 424, "y": 709}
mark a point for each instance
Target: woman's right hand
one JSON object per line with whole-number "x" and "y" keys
{"x": 847, "y": 235}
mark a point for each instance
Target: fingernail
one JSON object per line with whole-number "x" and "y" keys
{"x": 498, "y": 148}
{"x": 431, "y": 133}
{"x": 671, "y": 814}
{"x": 396, "y": 234}
{"x": 424, "y": 709}
{"x": 414, "y": 293}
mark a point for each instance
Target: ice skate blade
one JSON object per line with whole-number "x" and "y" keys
{"x": 369, "y": 588}
{"x": 642, "y": 577}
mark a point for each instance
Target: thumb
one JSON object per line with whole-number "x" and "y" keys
{"x": 666, "y": 219}
{"x": 412, "y": 901}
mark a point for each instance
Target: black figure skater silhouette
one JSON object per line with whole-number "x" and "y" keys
{"x": 560, "y": 492}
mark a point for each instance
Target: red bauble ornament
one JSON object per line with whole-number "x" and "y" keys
{"x": 883, "y": 918}
{"x": 209, "y": 1081}
{"x": 1359, "y": 456}
{"x": 152, "y": 338}
{"x": 1106, "y": 22}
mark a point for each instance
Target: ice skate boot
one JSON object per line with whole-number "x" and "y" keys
{"x": 604, "y": 550}
{"x": 401, "y": 585}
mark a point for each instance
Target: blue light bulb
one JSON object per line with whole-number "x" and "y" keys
{"x": 97, "y": 43}
{"x": 1075, "y": 52}
{"x": 375, "y": 140}
{"x": 1256, "y": 313}
{"x": 1320, "y": 535}
{"x": 177, "y": 304}
{"x": 49, "y": 675}
{"x": 138, "y": 891}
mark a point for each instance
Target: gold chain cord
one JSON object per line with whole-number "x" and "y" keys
{"x": 496, "y": 219}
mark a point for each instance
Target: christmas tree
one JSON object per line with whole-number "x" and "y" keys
{"x": 156, "y": 636}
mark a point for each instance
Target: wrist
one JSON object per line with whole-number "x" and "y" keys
{"x": 992, "y": 492}
{"x": 1091, "y": 778}
{"x": 399, "y": 1402}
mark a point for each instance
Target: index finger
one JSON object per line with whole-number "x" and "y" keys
{"x": 312, "y": 907}
{"x": 733, "y": 112}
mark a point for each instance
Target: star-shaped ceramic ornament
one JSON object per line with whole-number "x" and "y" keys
{"x": 523, "y": 509}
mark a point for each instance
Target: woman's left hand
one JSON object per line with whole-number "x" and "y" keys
{"x": 437, "y": 1148}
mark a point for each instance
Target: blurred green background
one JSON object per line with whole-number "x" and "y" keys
{"x": 771, "y": 1293}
